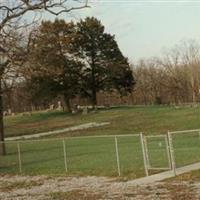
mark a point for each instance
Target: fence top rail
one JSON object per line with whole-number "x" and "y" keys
{"x": 155, "y": 136}
{"x": 185, "y": 131}
{"x": 70, "y": 137}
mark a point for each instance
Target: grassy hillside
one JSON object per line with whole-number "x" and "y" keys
{"x": 97, "y": 156}
{"x": 124, "y": 120}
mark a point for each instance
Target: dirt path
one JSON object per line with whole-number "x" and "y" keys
{"x": 90, "y": 188}
{"x": 73, "y": 128}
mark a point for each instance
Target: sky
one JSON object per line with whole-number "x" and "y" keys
{"x": 144, "y": 28}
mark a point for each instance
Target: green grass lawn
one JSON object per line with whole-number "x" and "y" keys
{"x": 124, "y": 120}
{"x": 86, "y": 156}
{"x": 97, "y": 156}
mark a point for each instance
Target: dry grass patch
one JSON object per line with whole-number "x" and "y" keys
{"x": 193, "y": 176}
{"x": 74, "y": 195}
{"x": 9, "y": 186}
{"x": 180, "y": 191}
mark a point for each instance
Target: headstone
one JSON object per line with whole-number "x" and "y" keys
{"x": 5, "y": 113}
{"x": 79, "y": 107}
{"x": 51, "y": 107}
{"x": 9, "y": 111}
{"x": 85, "y": 111}
{"x": 75, "y": 109}
{"x": 59, "y": 105}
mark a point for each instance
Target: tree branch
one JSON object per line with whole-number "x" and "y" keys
{"x": 8, "y": 14}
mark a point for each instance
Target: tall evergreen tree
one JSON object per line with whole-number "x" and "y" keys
{"x": 106, "y": 67}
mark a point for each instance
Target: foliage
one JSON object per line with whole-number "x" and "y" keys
{"x": 106, "y": 67}
{"x": 12, "y": 20}
{"x": 53, "y": 67}
{"x": 78, "y": 59}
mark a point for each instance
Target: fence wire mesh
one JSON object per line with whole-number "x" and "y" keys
{"x": 91, "y": 156}
{"x": 186, "y": 147}
{"x": 125, "y": 155}
{"x": 42, "y": 157}
{"x": 130, "y": 156}
{"x": 10, "y": 163}
{"x": 157, "y": 151}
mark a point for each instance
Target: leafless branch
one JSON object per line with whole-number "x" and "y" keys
{"x": 8, "y": 13}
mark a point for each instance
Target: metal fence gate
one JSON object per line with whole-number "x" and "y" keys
{"x": 157, "y": 153}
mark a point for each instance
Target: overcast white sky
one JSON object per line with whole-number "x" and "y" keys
{"x": 143, "y": 28}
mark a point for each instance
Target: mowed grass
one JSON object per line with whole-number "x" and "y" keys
{"x": 84, "y": 156}
{"x": 97, "y": 156}
{"x": 124, "y": 120}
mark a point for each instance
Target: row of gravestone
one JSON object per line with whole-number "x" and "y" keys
{"x": 51, "y": 108}
{"x": 76, "y": 109}
{"x": 58, "y": 107}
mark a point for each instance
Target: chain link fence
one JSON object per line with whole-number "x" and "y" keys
{"x": 186, "y": 147}
{"x": 121, "y": 155}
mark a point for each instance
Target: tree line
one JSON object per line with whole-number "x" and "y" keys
{"x": 173, "y": 78}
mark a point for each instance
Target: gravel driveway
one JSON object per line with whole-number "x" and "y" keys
{"x": 92, "y": 188}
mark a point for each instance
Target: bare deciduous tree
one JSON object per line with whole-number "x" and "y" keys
{"x": 12, "y": 18}
{"x": 173, "y": 78}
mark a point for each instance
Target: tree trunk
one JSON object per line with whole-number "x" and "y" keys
{"x": 2, "y": 144}
{"x": 94, "y": 89}
{"x": 193, "y": 90}
{"x": 132, "y": 98}
{"x": 94, "y": 97}
{"x": 67, "y": 104}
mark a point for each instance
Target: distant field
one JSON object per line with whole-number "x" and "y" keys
{"x": 124, "y": 120}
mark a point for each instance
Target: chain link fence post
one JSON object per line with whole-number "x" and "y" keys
{"x": 171, "y": 151}
{"x": 144, "y": 154}
{"x": 19, "y": 157}
{"x": 65, "y": 155}
{"x": 117, "y": 156}
{"x": 168, "y": 152}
